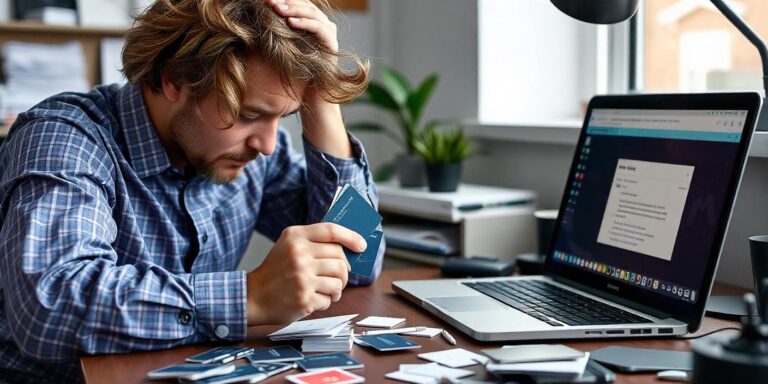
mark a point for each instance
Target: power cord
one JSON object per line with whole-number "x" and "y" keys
{"x": 709, "y": 333}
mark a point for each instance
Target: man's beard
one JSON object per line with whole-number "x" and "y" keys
{"x": 180, "y": 125}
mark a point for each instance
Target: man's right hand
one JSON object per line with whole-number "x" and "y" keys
{"x": 305, "y": 271}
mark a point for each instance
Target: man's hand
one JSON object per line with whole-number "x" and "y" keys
{"x": 321, "y": 121}
{"x": 304, "y": 15}
{"x": 304, "y": 272}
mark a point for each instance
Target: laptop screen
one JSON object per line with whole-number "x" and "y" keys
{"x": 648, "y": 199}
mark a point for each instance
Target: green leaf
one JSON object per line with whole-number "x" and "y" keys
{"x": 385, "y": 172}
{"x": 418, "y": 100}
{"x": 378, "y": 95}
{"x": 396, "y": 84}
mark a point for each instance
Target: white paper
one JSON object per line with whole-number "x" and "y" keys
{"x": 380, "y": 322}
{"x": 436, "y": 370}
{"x": 429, "y": 332}
{"x": 316, "y": 327}
{"x": 455, "y": 358}
{"x": 557, "y": 368}
{"x": 411, "y": 378}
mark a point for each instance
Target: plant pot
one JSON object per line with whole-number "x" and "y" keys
{"x": 410, "y": 170}
{"x": 443, "y": 177}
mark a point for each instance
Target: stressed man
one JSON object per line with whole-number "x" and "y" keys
{"x": 125, "y": 211}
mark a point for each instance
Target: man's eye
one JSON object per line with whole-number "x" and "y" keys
{"x": 248, "y": 119}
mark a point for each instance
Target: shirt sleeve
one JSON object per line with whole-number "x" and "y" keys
{"x": 300, "y": 189}
{"x": 65, "y": 289}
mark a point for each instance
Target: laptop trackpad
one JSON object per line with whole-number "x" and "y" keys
{"x": 465, "y": 303}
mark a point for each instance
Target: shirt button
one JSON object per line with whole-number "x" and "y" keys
{"x": 185, "y": 317}
{"x": 222, "y": 331}
{"x": 329, "y": 173}
{"x": 205, "y": 237}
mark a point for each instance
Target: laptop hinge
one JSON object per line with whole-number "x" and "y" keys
{"x": 613, "y": 298}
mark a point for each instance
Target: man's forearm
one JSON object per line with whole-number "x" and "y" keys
{"x": 323, "y": 127}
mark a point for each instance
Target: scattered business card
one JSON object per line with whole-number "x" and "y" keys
{"x": 190, "y": 371}
{"x": 329, "y": 360}
{"x": 411, "y": 378}
{"x": 380, "y": 322}
{"x": 435, "y": 370}
{"x": 219, "y": 355}
{"x": 388, "y": 342}
{"x": 326, "y": 376}
{"x": 455, "y": 358}
{"x": 248, "y": 373}
{"x": 276, "y": 354}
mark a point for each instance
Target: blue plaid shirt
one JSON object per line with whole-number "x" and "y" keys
{"x": 107, "y": 247}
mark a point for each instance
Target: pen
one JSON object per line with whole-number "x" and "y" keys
{"x": 396, "y": 330}
{"x": 448, "y": 337}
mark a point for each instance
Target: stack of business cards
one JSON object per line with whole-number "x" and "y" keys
{"x": 342, "y": 342}
{"x": 352, "y": 210}
{"x": 323, "y": 327}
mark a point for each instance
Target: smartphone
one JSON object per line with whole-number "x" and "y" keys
{"x": 533, "y": 353}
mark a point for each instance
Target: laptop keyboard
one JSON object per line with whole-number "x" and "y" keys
{"x": 554, "y": 305}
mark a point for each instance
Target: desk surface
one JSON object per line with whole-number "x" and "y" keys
{"x": 379, "y": 299}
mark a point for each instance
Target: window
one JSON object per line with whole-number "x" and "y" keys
{"x": 535, "y": 63}
{"x": 689, "y": 46}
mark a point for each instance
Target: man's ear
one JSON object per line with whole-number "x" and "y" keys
{"x": 170, "y": 89}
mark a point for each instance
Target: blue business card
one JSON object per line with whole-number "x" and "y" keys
{"x": 353, "y": 211}
{"x": 329, "y": 360}
{"x": 276, "y": 354}
{"x": 388, "y": 342}
{"x": 363, "y": 263}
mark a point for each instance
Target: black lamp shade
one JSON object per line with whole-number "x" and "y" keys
{"x": 598, "y": 11}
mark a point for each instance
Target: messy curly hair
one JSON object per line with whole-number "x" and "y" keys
{"x": 205, "y": 45}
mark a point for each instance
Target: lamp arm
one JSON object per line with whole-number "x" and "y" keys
{"x": 749, "y": 33}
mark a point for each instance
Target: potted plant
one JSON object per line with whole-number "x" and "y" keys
{"x": 394, "y": 94}
{"x": 444, "y": 153}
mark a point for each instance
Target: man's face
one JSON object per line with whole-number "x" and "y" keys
{"x": 219, "y": 153}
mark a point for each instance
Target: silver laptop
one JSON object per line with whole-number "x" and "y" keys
{"x": 639, "y": 232}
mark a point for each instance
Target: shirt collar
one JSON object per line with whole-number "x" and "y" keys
{"x": 146, "y": 151}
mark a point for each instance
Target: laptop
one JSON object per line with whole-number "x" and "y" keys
{"x": 639, "y": 232}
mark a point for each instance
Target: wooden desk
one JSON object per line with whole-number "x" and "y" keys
{"x": 379, "y": 299}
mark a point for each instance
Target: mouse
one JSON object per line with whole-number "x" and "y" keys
{"x": 672, "y": 375}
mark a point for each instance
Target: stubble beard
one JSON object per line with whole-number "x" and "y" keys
{"x": 180, "y": 125}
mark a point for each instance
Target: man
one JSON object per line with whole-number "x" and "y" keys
{"x": 125, "y": 211}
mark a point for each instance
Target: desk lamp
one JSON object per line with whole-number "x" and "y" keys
{"x": 614, "y": 11}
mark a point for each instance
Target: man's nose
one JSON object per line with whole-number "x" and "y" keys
{"x": 264, "y": 137}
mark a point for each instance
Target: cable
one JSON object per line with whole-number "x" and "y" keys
{"x": 709, "y": 333}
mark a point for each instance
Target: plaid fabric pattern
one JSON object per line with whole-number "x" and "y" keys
{"x": 108, "y": 248}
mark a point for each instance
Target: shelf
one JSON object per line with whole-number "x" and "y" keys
{"x": 35, "y": 27}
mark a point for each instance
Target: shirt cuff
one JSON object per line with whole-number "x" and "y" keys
{"x": 220, "y": 305}
{"x": 334, "y": 171}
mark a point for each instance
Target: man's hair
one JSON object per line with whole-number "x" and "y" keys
{"x": 206, "y": 44}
